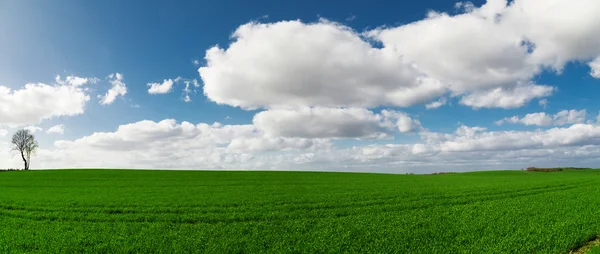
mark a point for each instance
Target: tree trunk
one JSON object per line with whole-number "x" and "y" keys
{"x": 24, "y": 161}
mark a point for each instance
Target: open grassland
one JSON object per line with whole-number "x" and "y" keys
{"x": 116, "y": 211}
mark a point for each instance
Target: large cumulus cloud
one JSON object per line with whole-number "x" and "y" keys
{"x": 488, "y": 54}
{"x": 37, "y": 101}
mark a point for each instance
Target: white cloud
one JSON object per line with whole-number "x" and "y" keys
{"x": 482, "y": 52}
{"x": 166, "y": 86}
{"x": 168, "y": 144}
{"x": 543, "y": 103}
{"x": 561, "y": 31}
{"x": 595, "y": 67}
{"x": 33, "y": 129}
{"x": 436, "y": 104}
{"x": 162, "y": 88}
{"x": 570, "y": 117}
{"x": 512, "y": 119}
{"x": 119, "y": 88}
{"x": 146, "y": 134}
{"x": 188, "y": 89}
{"x": 542, "y": 119}
{"x": 58, "y": 129}
{"x": 332, "y": 123}
{"x": 539, "y": 119}
{"x": 293, "y": 64}
{"x": 507, "y": 98}
{"x": 473, "y": 148}
{"x": 36, "y": 101}
{"x": 470, "y": 51}
{"x": 575, "y": 135}
{"x": 466, "y": 6}
{"x": 75, "y": 81}
{"x": 404, "y": 123}
{"x": 3, "y": 133}
{"x": 250, "y": 145}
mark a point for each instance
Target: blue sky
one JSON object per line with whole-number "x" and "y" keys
{"x": 152, "y": 41}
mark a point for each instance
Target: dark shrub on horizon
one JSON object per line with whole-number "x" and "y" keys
{"x": 443, "y": 173}
{"x": 8, "y": 169}
{"x": 534, "y": 169}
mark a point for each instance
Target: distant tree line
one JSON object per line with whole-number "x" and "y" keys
{"x": 535, "y": 169}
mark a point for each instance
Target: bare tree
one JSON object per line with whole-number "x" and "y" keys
{"x": 24, "y": 142}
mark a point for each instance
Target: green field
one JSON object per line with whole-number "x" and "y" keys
{"x": 117, "y": 211}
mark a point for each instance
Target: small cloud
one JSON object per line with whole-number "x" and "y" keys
{"x": 75, "y": 81}
{"x": 350, "y": 18}
{"x": 119, "y": 88}
{"x": 161, "y": 88}
{"x": 196, "y": 62}
{"x": 542, "y": 119}
{"x": 93, "y": 80}
{"x": 167, "y": 86}
{"x": 595, "y": 68}
{"x": 543, "y": 103}
{"x": 58, "y": 129}
{"x": 135, "y": 105}
{"x": 227, "y": 117}
{"x": 436, "y": 104}
{"x": 187, "y": 89}
{"x": 33, "y": 129}
{"x": 466, "y": 6}
{"x": 263, "y": 17}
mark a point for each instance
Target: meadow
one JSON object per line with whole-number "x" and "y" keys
{"x": 134, "y": 211}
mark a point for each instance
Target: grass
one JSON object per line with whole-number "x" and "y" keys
{"x": 595, "y": 250}
{"x": 591, "y": 247}
{"x": 124, "y": 211}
